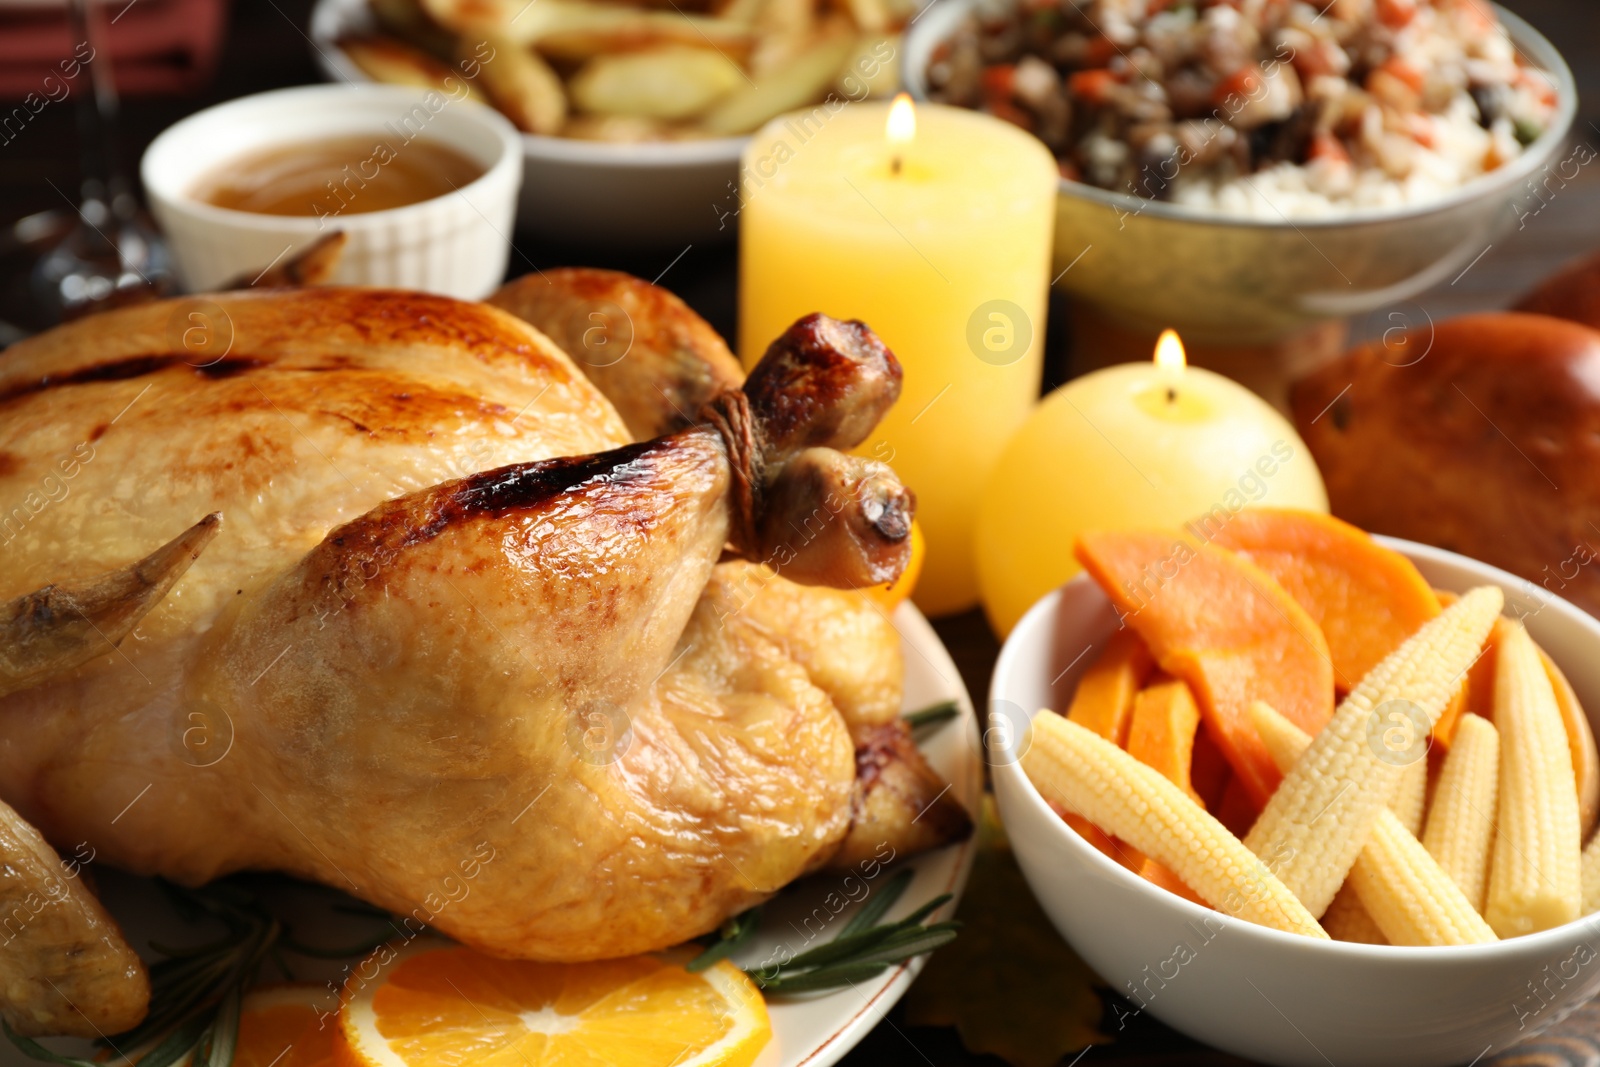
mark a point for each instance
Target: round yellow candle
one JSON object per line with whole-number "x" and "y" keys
{"x": 1135, "y": 446}
{"x": 939, "y": 239}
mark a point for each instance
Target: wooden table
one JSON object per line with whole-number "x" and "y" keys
{"x": 267, "y": 48}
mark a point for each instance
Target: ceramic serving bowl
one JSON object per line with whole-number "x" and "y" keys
{"x": 456, "y": 244}
{"x": 1272, "y": 996}
{"x": 1232, "y": 280}
{"x": 617, "y": 195}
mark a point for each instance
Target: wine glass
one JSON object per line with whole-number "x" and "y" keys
{"x": 114, "y": 255}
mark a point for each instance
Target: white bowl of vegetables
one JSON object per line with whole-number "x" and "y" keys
{"x": 1267, "y": 994}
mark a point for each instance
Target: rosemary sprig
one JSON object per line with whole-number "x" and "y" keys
{"x": 196, "y": 992}
{"x": 863, "y": 948}
{"x": 933, "y": 714}
{"x": 733, "y": 933}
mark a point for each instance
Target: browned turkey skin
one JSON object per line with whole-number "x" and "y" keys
{"x": 459, "y": 646}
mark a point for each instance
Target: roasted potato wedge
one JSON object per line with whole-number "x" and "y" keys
{"x": 386, "y": 59}
{"x": 869, "y": 15}
{"x": 784, "y": 28}
{"x": 671, "y": 82}
{"x": 801, "y": 81}
{"x": 519, "y": 83}
{"x": 744, "y": 11}
{"x": 871, "y": 69}
{"x": 407, "y": 20}
{"x": 643, "y": 70}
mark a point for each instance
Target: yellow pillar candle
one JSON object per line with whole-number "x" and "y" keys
{"x": 938, "y": 237}
{"x": 1135, "y": 446}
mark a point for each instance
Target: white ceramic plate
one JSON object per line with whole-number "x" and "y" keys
{"x": 622, "y": 195}
{"x": 814, "y": 1030}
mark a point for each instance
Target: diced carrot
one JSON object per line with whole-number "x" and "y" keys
{"x": 1396, "y": 13}
{"x": 1208, "y": 770}
{"x": 1538, "y": 85}
{"x": 1092, "y": 86}
{"x": 1405, "y": 72}
{"x": 1326, "y": 145}
{"x": 1421, "y": 128}
{"x": 1009, "y": 112}
{"x": 1104, "y": 698}
{"x": 1000, "y": 80}
{"x": 1101, "y": 51}
{"x": 1480, "y": 17}
{"x": 1241, "y": 83}
{"x": 1161, "y": 733}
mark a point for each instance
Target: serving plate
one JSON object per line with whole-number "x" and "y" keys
{"x": 812, "y": 1030}
{"x": 622, "y": 195}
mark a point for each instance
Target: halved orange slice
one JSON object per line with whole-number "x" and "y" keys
{"x": 435, "y": 1004}
{"x": 287, "y": 1026}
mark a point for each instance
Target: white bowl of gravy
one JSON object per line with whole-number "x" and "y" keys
{"x": 423, "y": 184}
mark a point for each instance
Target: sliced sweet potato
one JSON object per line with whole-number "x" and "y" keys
{"x": 1208, "y": 770}
{"x": 1366, "y": 598}
{"x": 1163, "y": 876}
{"x": 1117, "y": 851}
{"x": 1476, "y": 691}
{"x": 1103, "y": 701}
{"x": 1161, "y": 734}
{"x": 1226, "y": 627}
{"x": 1236, "y": 810}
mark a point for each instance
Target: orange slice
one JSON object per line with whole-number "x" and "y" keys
{"x": 434, "y": 1004}
{"x": 289, "y": 1026}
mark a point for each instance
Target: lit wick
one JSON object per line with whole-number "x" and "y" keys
{"x": 1170, "y": 362}
{"x": 900, "y": 130}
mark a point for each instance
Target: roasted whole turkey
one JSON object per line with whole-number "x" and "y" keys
{"x": 378, "y": 589}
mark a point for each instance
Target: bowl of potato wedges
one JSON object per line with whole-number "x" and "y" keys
{"x": 634, "y": 113}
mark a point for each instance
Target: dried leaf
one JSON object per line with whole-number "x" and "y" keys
{"x": 1009, "y": 984}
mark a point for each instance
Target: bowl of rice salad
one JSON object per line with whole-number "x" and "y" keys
{"x": 1241, "y": 169}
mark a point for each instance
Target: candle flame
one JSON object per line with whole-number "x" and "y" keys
{"x": 1169, "y": 352}
{"x": 901, "y": 128}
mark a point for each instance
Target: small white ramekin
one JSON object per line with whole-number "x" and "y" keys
{"x": 456, "y": 244}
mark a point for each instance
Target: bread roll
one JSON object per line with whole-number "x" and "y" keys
{"x": 1573, "y": 292}
{"x": 1483, "y": 438}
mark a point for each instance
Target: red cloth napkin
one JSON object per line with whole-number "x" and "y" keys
{"x": 157, "y": 47}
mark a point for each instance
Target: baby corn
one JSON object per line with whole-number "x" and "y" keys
{"x": 1406, "y": 893}
{"x": 1411, "y": 796}
{"x": 1534, "y": 881}
{"x": 1317, "y": 822}
{"x": 1461, "y": 822}
{"x": 1089, "y": 775}
{"x": 1347, "y": 919}
{"x": 1591, "y": 876}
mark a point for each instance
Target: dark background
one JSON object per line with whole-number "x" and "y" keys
{"x": 266, "y": 47}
